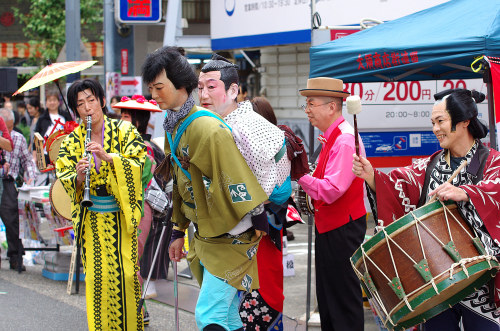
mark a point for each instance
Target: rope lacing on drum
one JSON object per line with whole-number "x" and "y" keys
{"x": 387, "y": 238}
{"x": 376, "y": 296}
{"x": 461, "y": 263}
{"x": 374, "y": 264}
{"x": 422, "y": 247}
{"x": 447, "y": 210}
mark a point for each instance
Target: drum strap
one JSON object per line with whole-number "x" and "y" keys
{"x": 475, "y": 168}
{"x": 182, "y": 127}
{"x": 430, "y": 166}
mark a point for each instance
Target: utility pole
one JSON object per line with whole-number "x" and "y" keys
{"x": 73, "y": 35}
{"x": 109, "y": 39}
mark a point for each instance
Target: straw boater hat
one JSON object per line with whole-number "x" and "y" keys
{"x": 324, "y": 87}
{"x": 138, "y": 102}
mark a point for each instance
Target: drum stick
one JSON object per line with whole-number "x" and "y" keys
{"x": 455, "y": 173}
{"x": 141, "y": 302}
{"x": 353, "y": 104}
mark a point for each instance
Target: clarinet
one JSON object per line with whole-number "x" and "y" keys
{"x": 86, "y": 202}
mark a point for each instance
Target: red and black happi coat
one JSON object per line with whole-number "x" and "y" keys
{"x": 398, "y": 193}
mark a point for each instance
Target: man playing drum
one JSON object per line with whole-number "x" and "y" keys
{"x": 475, "y": 189}
{"x": 340, "y": 213}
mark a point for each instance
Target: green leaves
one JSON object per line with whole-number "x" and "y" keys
{"x": 45, "y": 25}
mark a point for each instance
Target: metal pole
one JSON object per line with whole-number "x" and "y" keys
{"x": 173, "y": 27}
{"x": 109, "y": 42}
{"x": 491, "y": 107}
{"x": 310, "y": 218}
{"x": 73, "y": 34}
{"x": 141, "y": 302}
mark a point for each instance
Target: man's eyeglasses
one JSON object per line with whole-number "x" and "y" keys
{"x": 304, "y": 107}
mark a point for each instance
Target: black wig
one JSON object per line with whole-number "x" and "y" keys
{"x": 177, "y": 68}
{"x": 228, "y": 70}
{"x": 461, "y": 105}
{"x": 82, "y": 85}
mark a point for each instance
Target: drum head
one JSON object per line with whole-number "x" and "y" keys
{"x": 53, "y": 146}
{"x": 60, "y": 200}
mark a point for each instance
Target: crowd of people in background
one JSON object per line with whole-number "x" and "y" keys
{"x": 226, "y": 170}
{"x": 23, "y": 118}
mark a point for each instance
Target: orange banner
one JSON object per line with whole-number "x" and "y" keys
{"x": 24, "y": 50}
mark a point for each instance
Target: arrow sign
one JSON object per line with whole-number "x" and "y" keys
{"x": 130, "y": 85}
{"x": 132, "y": 81}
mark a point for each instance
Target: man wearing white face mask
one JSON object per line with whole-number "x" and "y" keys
{"x": 262, "y": 144}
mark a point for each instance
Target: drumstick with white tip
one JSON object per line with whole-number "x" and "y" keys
{"x": 353, "y": 103}
{"x": 455, "y": 173}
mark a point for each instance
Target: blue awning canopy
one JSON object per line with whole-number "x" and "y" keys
{"x": 440, "y": 42}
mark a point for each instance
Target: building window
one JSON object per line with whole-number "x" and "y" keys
{"x": 195, "y": 11}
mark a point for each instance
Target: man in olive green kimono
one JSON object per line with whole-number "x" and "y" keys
{"x": 213, "y": 187}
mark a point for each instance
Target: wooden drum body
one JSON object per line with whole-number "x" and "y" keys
{"x": 412, "y": 270}
{"x": 60, "y": 200}
{"x": 53, "y": 144}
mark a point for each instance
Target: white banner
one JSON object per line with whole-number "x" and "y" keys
{"x": 250, "y": 23}
{"x": 235, "y": 18}
{"x": 405, "y": 105}
{"x": 112, "y": 85}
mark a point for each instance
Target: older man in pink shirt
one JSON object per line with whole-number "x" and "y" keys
{"x": 339, "y": 210}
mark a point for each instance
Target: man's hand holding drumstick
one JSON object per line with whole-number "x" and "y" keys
{"x": 447, "y": 191}
{"x": 363, "y": 169}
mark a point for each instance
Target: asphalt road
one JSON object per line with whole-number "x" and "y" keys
{"x": 29, "y": 301}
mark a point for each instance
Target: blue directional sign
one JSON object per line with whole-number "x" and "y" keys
{"x": 406, "y": 143}
{"x": 138, "y": 11}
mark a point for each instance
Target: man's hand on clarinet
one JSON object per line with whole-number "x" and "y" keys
{"x": 81, "y": 168}
{"x": 363, "y": 169}
{"x": 99, "y": 151}
{"x": 175, "y": 250}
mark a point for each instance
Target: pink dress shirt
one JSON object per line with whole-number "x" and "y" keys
{"x": 338, "y": 172}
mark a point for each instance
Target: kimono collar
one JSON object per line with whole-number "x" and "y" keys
{"x": 243, "y": 108}
{"x": 468, "y": 156}
{"x": 173, "y": 117}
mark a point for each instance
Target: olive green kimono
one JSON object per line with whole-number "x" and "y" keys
{"x": 221, "y": 191}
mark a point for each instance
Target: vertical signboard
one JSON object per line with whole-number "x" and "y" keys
{"x": 138, "y": 11}
{"x": 112, "y": 85}
{"x": 124, "y": 62}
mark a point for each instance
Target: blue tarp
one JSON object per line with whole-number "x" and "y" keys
{"x": 440, "y": 42}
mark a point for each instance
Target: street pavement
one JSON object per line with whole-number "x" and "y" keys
{"x": 29, "y": 301}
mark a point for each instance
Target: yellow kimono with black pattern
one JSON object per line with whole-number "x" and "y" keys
{"x": 108, "y": 240}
